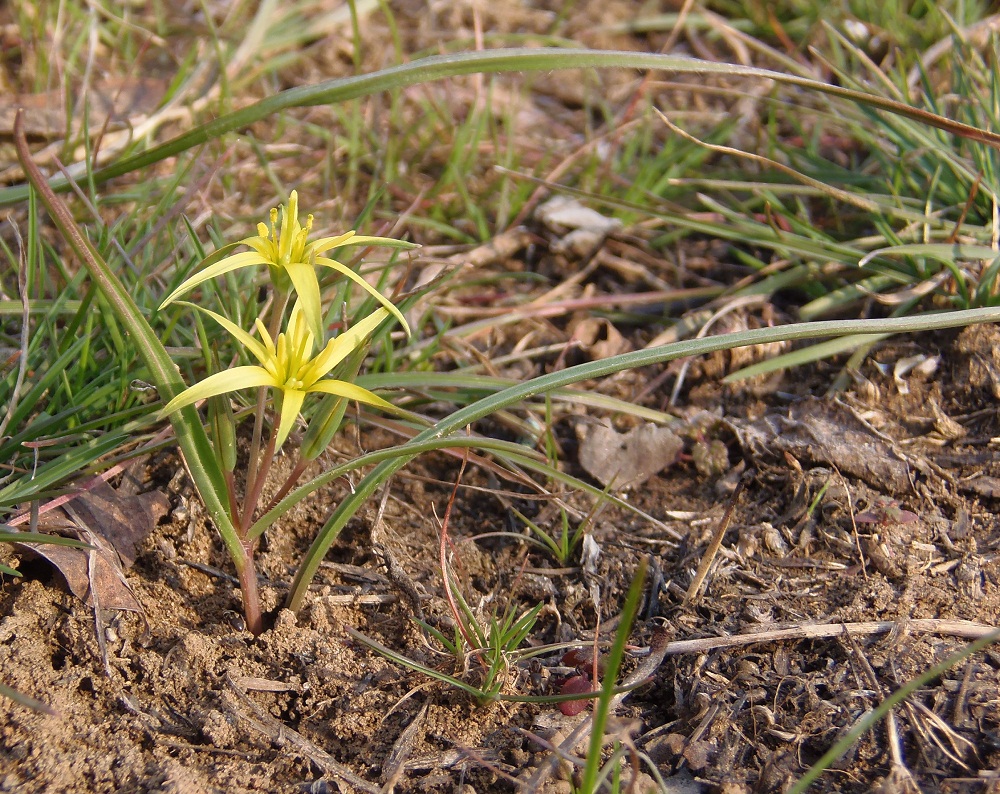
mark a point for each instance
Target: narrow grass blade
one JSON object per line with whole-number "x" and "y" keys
{"x": 26, "y": 701}
{"x": 498, "y": 61}
{"x": 191, "y": 435}
{"x": 408, "y": 450}
{"x": 804, "y": 356}
{"x": 458, "y": 683}
{"x": 944, "y": 252}
{"x": 614, "y": 661}
{"x": 598, "y": 369}
{"x": 420, "y": 381}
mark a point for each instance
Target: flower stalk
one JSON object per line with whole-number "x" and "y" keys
{"x": 253, "y": 469}
{"x": 293, "y": 363}
{"x": 162, "y": 372}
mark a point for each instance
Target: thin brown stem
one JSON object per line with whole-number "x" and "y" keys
{"x": 445, "y": 573}
{"x": 716, "y": 543}
{"x": 253, "y": 462}
{"x": 251, "y": 593}
{"x": 296, "y": 474}
{"x": 252, "y": 485}
{"x": 234, "y": 507}
{"x": 253, "y": 494}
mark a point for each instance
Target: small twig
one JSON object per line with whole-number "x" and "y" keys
{"x": 716, "y": 543}
{"x": 854, "y": 524}
{"x": 209, "y": 570}
{"x": 276, "y": 730}
{"x": 349, "y": 600}
{"x": 959, "y": 714}
{"x": 965, "y": 629}
{"x": 395, "y": 572}
{"x": 892, "y": 730}
{"x": 394, "y": 766}
{"x": 99, "y": 627}
{"x": 959, "y": 745}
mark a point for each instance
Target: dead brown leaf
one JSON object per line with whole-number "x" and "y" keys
{"x": 114, "y": 522}
{"x": 822, "y": 432}
{"x": 627, "y": 459}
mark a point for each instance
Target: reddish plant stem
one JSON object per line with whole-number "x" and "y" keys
{"x": 296, "y": 474}
{"x": 449, "y": 595}
{"x": 253, "y": 469}
{"x": 234, "y": 507}
{"x": 253, "y": 464}
{"x": 253, "y": 494}
{"x": 251, "y": 593}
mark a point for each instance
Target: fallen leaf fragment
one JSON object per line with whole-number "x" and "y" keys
{"x": 124, "y": 519}
{"x": 625, "y": 460}
{"x": 825, "y": 433}
{"x": 87, "y": 571}
{"x": 114, "y": 522}
{"x": 561, "y": 212}
{"x": 598, "y": 337}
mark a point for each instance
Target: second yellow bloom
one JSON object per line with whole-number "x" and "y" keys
{"x": 289, "y": 366}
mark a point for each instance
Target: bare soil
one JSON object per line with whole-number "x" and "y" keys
{"x": 190, "y": 702}
{"x": 875, "y": 505}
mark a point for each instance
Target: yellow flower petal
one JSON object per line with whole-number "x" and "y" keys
{"x": 346, "y": 271}
{"x": 385, "y": 242}
{"x": 291, "y": 404}
{"x": 234, "y": 262}
{"x": 300, "y": 340}
{"x": 321, "y": 244}
{"x": 289, "y": 228}
{"x": 338, "y": 349}
{"x": 264, "y": 247}
{"x": 265, "y": 338}
{"x": 341, "y": 388}
{"x": 303, "y": 276}
{"x": 220, "y": 383}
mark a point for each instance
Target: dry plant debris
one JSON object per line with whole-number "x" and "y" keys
{"x": 807, "y": 616}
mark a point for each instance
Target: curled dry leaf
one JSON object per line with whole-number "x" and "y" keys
{"x": 90, "y": 571}
{"x": 114, "y": 522}
{"x": 599, "y": 338}
{"x": 123, "y": 518}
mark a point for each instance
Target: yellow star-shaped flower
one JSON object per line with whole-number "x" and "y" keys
{"x": 289, "y": 366}
{"x": 292, "y": 260}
